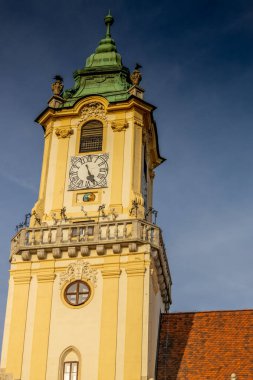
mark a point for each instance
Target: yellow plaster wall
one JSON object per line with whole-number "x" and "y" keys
{"x": 109, "y": 318}
{"x": 51, "y": 174}
{"x": 18, "y": 320}
{"x": 7, "y": 323}
{"x": 155, "y": 307}
{"x": 134, "y": 321}
{"x": 137, "y": 158}
{"x": 145, "y": 322}
{"x": 42, "y": 321}
{"x": 75, "y": 327}
{"x": 121, "y": 331}
{"x": 114, "y": 333}
{"x": 29, "y": 329}
{"x": 68, "y": 195}
{"x": 128, "y": 153}
{"x": 106, "y": 193}
{"x": 60, "y": 173}
{"x": 45, "y": 162}
{"x": 117, "y": 170}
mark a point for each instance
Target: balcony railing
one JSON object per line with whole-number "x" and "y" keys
{"x": 86, "y": 233}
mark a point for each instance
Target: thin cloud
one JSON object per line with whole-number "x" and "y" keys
{"x": 22, "y": 182}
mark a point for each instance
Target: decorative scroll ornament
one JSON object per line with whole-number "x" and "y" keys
{"x": 119, "y": 126}
{"x": 62, "y": 133}
{"x": 80, "y": 270}
{"x": 93, "y": 110}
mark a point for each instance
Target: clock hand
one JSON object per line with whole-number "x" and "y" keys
{"x": 90, "y": 177}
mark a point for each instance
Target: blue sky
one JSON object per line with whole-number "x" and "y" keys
{"x": 197, "y": 60}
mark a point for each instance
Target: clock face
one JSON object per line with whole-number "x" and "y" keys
{"x": 88, "y": 171}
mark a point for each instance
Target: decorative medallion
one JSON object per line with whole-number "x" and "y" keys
{"x": 80, "y": 270}
{"x": 93, "y": 110}
{"x": 89, "y": 197}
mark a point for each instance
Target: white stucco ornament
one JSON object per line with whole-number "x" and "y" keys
{"x": 80, "y": 270}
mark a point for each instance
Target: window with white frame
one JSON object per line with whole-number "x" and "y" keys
{"x": 70, "y": 371}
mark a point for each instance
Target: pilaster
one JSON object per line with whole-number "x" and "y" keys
{"x": 137, "y": 156}
{"x": 63, "y": 134}
{"x": 109, "y": 321}
{"x": 119, "y": 127}
{"x": 45, "y": 162}
{"x": 15, "y": 350}
{"x": 134, "y": 321}
{"x": 45, "y": 280}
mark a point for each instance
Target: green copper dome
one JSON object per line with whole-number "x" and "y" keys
{"x": 106, "y": 52}
{"x": 103, "y": 73}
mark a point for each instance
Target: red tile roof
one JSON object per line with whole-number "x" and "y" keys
{"x": 206, "y": 345}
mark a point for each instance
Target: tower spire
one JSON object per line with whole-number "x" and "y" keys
{"x": 103, "y": 72}
{"x": 109, "y": 20}
{"x": 107, "y": 44}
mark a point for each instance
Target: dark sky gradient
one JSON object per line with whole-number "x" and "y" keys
{"x": 197, "y": 62}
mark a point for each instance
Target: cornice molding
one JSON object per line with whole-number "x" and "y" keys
{"x": 135, "y": 271}
{"x": 111, "y": 273}
{"x": 45, "y": 277}
{"x": 22, "y": 279}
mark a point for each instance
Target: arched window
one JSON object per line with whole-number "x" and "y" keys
{"x": 70, "y": 364}
{"x": 91, "y": 139}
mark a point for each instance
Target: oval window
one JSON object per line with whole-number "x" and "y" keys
{"x": 77, "y": 293}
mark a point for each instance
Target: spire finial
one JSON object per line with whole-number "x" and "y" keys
{"x": 108, "y": 22}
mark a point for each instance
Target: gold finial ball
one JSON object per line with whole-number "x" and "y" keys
{"x": 233, "y": 376}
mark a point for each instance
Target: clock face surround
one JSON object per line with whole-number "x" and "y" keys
{"x": 89, "y": 171}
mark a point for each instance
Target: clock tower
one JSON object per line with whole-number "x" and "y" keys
{"x": 89, "y": 275}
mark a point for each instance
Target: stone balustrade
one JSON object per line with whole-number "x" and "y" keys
{"x": 90, "y": 233}
{"x": 81, "y": 238}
